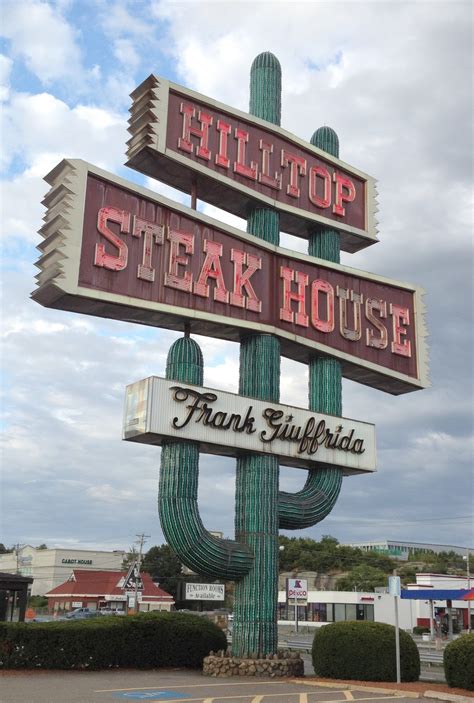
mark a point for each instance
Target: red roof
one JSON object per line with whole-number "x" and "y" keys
{"x": 85, "y": 582}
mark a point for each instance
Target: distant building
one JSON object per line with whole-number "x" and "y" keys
{"x": 51, "y": 567}
{"x": 104, "y": 589}
{"x": 325, "y": 606}
{"x": 401, "y": 550}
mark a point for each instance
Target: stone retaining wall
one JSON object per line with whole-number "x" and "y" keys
{"x": 283, "y": 663}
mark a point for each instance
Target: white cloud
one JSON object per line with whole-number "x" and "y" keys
{"x": 85, "y": 131}
{"x": 393, "y": 79}
{"x": 26, "y": 24}
{"x": 126, "y": 53}
{"x": 35, "y": 125}
{"x": 5, "y": 70}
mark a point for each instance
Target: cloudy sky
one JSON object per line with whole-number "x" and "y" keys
{"x": 394, "y": 80}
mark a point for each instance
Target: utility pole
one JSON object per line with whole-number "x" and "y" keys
{"x": 140, "y": 541}
{"x": 469, "y": 588}
{"x": 16, "y": 549}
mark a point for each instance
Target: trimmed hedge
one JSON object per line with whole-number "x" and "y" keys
{"x": 146, "y": 641}
{"x": 363, "y": 651}
{"x": 459, "y": 663}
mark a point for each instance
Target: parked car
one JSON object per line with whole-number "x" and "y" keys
{"x": 111, "y": 611}
{"x": 82, "y": 614}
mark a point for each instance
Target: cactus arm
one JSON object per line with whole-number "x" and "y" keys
{"x": 318, "y": 496}
{"x": 178, "y": 489}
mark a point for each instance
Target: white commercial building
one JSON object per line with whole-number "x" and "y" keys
{"x": 401, "y": 550}
{"x": 51, "y": 567}
{"x": 333, "y": 606}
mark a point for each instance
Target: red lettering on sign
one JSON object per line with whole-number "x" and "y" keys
{"x": 242, "y": 280}
{"x": 272, "y": 181}
{"x": 107, "y": 261}
{"x": 198, "y": 261}
{"x": 184, "y": 142}
{"x": 151, "y": 233}
{"x": 211, "y": 268}
{"x": 319, "y": 286}
{"x": 380, "y": 306}
{"x": 345, "y": 193}
{"x": 172, "y": 277}
{"x": 297, "y": 168}
{"x": 288, "y": 275}
{"x": 400, "y": 318}
{"x": 355, "y": 333}
{"x": 224, "y": 129}
{"x": 322, "y": 173}
{"x": 239, "y": 166}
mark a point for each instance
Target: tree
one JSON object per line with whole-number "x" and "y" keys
{"x": 3, "y": 549}
{"x": 42, "y": 546}
{"x": 362, "y": 578}
{"x": 129, "y": 558}
{"x": 163, "y": 566}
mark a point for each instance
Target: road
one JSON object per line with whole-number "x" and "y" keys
{"x": 170, "y": 685}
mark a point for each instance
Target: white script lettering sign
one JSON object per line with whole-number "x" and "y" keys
{"x": 229, "y": 424}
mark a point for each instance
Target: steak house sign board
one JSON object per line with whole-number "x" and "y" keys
{"x": 234, "y": 159}
{"x": 228, "y": 424}
{"x": 117, "y": 250}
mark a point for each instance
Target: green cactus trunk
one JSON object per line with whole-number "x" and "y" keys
{"x": 256, "y": 524}
{"x": 252, "y": 560}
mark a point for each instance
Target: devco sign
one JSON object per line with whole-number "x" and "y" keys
{"x": 297, "y": 589}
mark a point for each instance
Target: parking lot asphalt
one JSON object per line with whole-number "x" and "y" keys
{"x": 170, "y": 686}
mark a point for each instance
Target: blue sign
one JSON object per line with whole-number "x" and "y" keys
{"x": 157, "y": 695}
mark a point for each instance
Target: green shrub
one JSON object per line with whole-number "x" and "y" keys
{"x": 363, "y": 651}
{"x": 419, "y": 630}
{"x": 144, "y": 641}
{"x": 459, "y": 663}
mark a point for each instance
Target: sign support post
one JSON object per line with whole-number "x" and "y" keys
{"x": 394, "y": 588}
{"x": 296, "y": 613}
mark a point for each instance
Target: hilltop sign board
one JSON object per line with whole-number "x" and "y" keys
{"x": 114, "y": 249}
{"x": 234, "y": 160}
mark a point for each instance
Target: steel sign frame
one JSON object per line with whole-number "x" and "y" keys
{"x": 58, "y": 281}
{"x": 152, "y": 151}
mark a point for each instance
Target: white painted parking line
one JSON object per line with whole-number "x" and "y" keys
{"x": 195, "y": 685}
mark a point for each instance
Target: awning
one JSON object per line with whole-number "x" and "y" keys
{"x": 438, "y": 594}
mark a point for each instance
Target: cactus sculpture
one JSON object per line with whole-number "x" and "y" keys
{"x": 252, "y": 560}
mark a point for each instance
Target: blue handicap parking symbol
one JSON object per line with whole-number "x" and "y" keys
{"x": 151, "y": 695}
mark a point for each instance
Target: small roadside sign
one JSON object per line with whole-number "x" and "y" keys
{"x": 394, "y": 586}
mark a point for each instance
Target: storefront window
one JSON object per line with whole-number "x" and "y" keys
{"x": 339, "y": 612}
{"x": 318, "y": 612}
{"x": 351, "y": 611}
